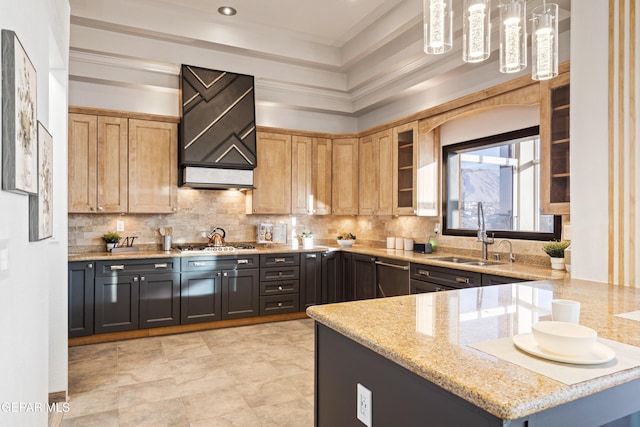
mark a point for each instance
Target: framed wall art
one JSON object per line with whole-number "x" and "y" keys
{"x": 41, "y": 204}
{"x": 19, "y": 121}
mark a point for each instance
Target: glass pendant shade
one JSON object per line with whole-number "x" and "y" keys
{"x": 513, "y": 36}
{"x": 476, "y": 30}
{"x": 544, "y": 42}
{"x": 437, "y": 20}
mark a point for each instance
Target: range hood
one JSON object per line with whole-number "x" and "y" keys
{"x": 217, "y": 130}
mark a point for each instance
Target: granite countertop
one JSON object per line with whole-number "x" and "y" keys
{"x": 515, "y": 270}
{"x": 431, "y": 335}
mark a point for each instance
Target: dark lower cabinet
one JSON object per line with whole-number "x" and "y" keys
{"x": 279, "y": 283}
{"x": 363, "y": 276}
{"x": 200, "y": 297}
{"x": 159, "y": 300}
{"x": 116, "y": 303}
{"x": 490, "y": 279}
{"x": 310, "y": 279}
{"x": 80, "y": 305}
{"x": 240, "y": 293}
{"x": 331, "y": 285}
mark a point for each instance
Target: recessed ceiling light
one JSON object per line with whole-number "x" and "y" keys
{"x": 227, "y": 11}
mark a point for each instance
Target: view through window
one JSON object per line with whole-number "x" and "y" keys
{"x": 503, "y": 172}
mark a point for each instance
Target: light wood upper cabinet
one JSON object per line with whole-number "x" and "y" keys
{"x": 310, "y": 175}
{"x": 428, "y": 170}
{"x": 121, "y": 164}
{"x": 272, "y": 176}
{"x": 376, "y": 174}
{"x": 345, "y": 176}
{"x": 555, "y": 145}
{"x": 153, "y": 173}
{"x": 405, "y": 161}
{"x": 98, "y": 164}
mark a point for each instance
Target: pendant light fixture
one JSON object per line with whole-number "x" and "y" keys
{"x": 513, "y": 36}
{"x": 544, "y": 41}
{"x": 476, "y": 30}
{"x": 437, "y": 20}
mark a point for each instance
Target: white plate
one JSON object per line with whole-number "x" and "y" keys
{"x": 600, "y": 353}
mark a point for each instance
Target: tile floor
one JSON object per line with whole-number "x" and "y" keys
{"x": 258, "y": 375}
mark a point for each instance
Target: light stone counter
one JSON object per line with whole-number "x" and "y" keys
{"x": 431, "y": 334}
{"x": 517, "y": 270}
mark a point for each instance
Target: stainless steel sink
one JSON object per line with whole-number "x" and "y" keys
{"x": 455, "y": 259}
{"x": 482, "y": 263}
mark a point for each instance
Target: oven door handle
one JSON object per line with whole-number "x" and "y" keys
{"x": 399, "y": 267}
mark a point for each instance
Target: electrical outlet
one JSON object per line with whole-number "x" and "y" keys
{"x": 370, "y": 225}
{"x": 119, "y": 225}
{"x": 566, "y": 232}
{"x": 436, "y": 228}
{"x": 363, "y": 405}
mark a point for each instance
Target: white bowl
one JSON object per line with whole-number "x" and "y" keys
{"x": 346, "y": 243}
{"x": 564, "y": 338}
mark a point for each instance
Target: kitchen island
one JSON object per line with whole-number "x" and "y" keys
{"x": 417, "y": 356}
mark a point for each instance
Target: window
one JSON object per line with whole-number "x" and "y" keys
{"x": 503, "y": 172}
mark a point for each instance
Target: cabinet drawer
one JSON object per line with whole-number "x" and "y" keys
{"x": 146, "y": 266}
{"x": 273, "y": 260}
{"x": 276, "y": 304}
{"x": 450, "y": 277}
{"x": 418, "y": 287}
{"x": 219, "y": 262}
{"x": 279, "y": 273}
{"x": 277, "y": 288}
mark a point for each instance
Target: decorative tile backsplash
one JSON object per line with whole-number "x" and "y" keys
{"x": 201, "y": 210}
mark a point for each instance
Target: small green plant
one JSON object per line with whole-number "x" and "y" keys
{"x": 306, "y": 234}
{"x": 111, "y": 237}
{"x": 346, "y": 236}
{"x": 555, "y": 249}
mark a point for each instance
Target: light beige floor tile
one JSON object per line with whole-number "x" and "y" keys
{"x": 193, "y": 364}
{"x": 152, "y": 391}
{"x": 165, "y": 413}
{"x": 92, "y": 378}
{"x": 245, "y": 418}
{"x": 184, "y": 346}
{"x": 129, "y": 361}
{"x": 295, "y": 413}
{"x": 93, "y": 402}
{"x": 140, "y": 345}
{"x": 93, "y": 351}
{"x": 213, "y": 404}
{"x": 100, "y": 419}
{"x": 144, "y": 373}
{"x": 204, "y": 381}
{"x": 268, "y": 392}
{"x": 303, "y": 383}
{"x": 252, "y": 372}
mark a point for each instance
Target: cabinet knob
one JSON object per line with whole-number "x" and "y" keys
{"x": 225, "y": 274}
{"x": 142, "y": 278}
{"x": 135, "y": 279}
{"x": 92, "y": 209}
{"x": 89, "y": 265}
{"x": 175, "y": 209}
{"x": 279, "y": 304}
{"x": 279, "y": 288}
{"x": 100, "y": 208}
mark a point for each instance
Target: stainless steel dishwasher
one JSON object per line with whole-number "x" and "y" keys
{"x": 392, "y": 277}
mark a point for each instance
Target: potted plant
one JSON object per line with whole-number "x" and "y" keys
{"x": 307, "y": 239}
{"x": 346, "y": 240}
{"x": 555, "y": 250}
{"x": 111, "y": 239}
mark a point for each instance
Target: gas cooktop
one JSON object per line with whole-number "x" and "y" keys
{"x": 204, "y": 247}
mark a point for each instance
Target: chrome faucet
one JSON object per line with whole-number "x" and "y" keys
{"x": 512, "y": 257}
{"x": 482, "y": 232}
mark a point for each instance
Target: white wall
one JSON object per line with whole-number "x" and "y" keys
{"x": 33, "y": 279}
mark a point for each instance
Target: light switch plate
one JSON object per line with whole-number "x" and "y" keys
{"x": 566, "y": 232}
{"x": 119, "y": 225}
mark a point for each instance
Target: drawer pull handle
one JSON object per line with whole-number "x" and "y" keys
{"x": 163, "y": 265}
{"x": 462, "y": 280}
{"x": 243, "y": 261}
{"x": 199, "y": 264}
{"x": 423, "y": 272}
{"x": 116, "y": 267}
{"x": 280, "y": 260}
{"x": 311, "y": 256}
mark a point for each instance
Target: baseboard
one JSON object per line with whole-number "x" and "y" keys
{"x": 57, "y": 397}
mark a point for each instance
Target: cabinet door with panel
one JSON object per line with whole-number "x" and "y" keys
{"x": 555, "y": 144}
{"x": 116, "y": 303}
{"x": 200, "y": 296}
{"x": 310, "y": 279}
{"x": 153, "y": 176}
{"x": 272, "y": 176}
{"x": 344, "y": 193}
{"x": 363, "y": 276}
{"x": 159, "y": 300}
{"x": 376, "y": 174}
{"x": 240, "y": 293}
{"x": 310, "y": 175}
{"x": 332, "y": 289}
{"x": 80, "y": 293}
{"x": 98, "y": 164}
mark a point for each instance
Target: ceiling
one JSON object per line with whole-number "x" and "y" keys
{"x": 348, "y": 57}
